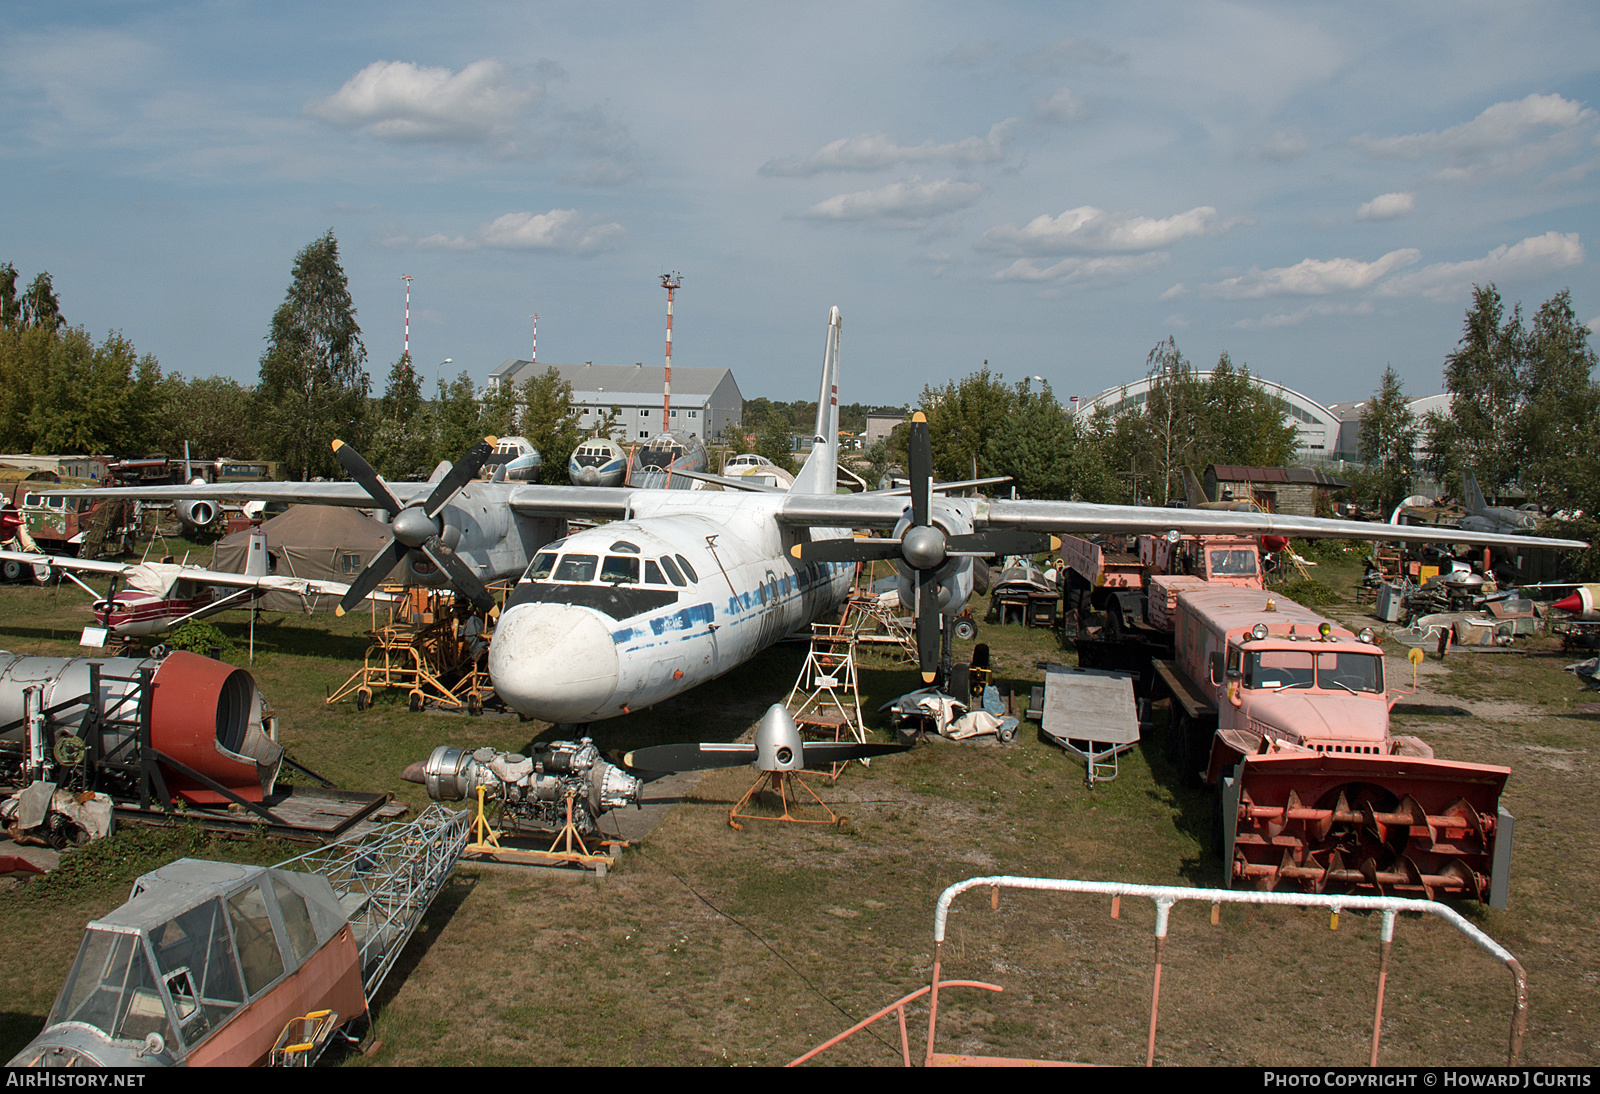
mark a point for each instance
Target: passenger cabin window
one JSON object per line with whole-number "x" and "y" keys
{"x": 577, "y": 568}
{"x": 620, "y": 569}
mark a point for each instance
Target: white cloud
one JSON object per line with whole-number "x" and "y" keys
{"x": 875, "y": 151}
{"x": 1087, "y": 229}
{"x": 1281, "y": 147}
{"x": 1312, "y": 277}
{"x": 400, "y": 101}
{"x": 1105, "y": 270}
{"x": 1180, "y": 289}
{"x": 1387, "y": 206}
{"x": 970, "y": 54}
{"x": 1310, "y": 311}
{"x": 1064, "y": 53}
{"x": 564, "y": 230}
{"x": 1532, "y": 257}
{"x": 1061, "y": 106}
{"x": 1500, "y": 125}
{"x": 910, "y": 203}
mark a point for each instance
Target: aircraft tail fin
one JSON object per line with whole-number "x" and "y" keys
{"x": 255, "y": 559}
{"x": 1474, "y": 496}
{"x": 1192, "y": 487}
{"x": 821, "y": 471}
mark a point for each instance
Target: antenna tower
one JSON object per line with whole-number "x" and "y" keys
{"x": 534, "y": 360}
{"x": 406, "y": 350}
{"x": 670, "y": 282}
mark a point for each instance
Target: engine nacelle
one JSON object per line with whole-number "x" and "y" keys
{"x": 954, "y": 574}
{"x": 202, "y": 713}
{"x": 533, "y": 790}
{"x": 199, "y": 515}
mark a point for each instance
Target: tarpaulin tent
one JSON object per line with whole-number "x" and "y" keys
{"x": 318, "y": 542}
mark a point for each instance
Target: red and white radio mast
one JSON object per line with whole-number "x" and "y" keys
{"x": 670, "y": 282}
{"x": 406, "y": 351}
{"x": 534, "y": 360}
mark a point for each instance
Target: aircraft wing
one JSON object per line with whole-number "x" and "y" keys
{"x": 881, "y": 511}
{"x": 599, "y": 502}
{"x": 1051, "y": 516}
{"x": 295, "y": 493}
{"x": 62, "y": 562}
{"x": 281, "y": 583}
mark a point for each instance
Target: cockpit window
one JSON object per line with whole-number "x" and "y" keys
{"x": 577, "y": 568}
{"x": 652, "y": 573}
{"x": 620, "y": 568}
{"x": 623, "y": 547}
{"x": 688, "y": 569}
{"x": 542, "y": 564}
{"x": 673, "y": 572}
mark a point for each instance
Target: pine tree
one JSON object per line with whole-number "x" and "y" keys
{"x": 313, "y": 388}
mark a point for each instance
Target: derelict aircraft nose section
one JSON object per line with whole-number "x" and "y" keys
{"x": 186, "y": 970}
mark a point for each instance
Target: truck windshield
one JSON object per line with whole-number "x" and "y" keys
{"x": 1331, "y": 670}
{"x": 1233, "y": 563}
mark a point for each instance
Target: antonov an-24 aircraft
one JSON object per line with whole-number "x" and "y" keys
{"x": 682, "y": 586}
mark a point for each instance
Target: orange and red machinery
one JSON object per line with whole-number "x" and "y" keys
{"x": 183, "y": 727}
{"x": 1286, "y": 714}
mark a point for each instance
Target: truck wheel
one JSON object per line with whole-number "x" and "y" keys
{"x": 1114, "y": 624}
{"x": 10, "y": 569}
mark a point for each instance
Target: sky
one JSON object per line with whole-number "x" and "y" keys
{"x": 1050, "y": 188}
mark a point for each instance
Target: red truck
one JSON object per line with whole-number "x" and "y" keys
{"x": 1286, "y": 715}
{"x": 1108, "y": 577}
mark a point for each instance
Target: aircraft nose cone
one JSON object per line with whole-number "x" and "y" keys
{"x": 554, "y": 662}
{"x": 589, "y": 476}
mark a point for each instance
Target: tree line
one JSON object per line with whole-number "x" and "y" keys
{"x": 62, "y": 392}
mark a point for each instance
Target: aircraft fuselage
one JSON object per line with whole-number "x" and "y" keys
{"x": 616, "y": 618}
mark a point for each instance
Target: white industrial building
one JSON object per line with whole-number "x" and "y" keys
{"x": 705, "y": 401}
{"x": 1317, "y": 425}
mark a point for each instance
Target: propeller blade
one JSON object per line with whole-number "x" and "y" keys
{"x": 1003, "y": 541}
{"x": 846, "y": 550}
{"x": 465, "y": 581}
{"x": 928, "y": 616}
{"x": 461, "y": 472}
{"x": 689, "y": 757}
{"x": 822, "y": 753}
{"x": 921, "y": 469}
{"x": 361, "y": 471}
{"x": 378, "y": 569}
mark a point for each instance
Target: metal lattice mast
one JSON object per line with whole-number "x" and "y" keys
{"x": 670, "y": 282}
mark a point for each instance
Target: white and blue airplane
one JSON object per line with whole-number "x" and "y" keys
{"x": 680, "y": 587}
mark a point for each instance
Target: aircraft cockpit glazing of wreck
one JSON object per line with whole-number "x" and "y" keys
{"x": 162, "y": 979}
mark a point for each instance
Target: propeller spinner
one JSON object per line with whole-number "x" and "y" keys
{"x": 416, "y": 527}
{"x": 925, "y": 549}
